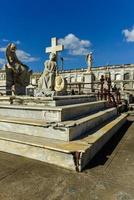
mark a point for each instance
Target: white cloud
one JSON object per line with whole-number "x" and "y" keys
{"x": 26, "y": 57}
{"x": 5, "y": 40}
{"x": 22, "y": 55}
{"x": 17, "y": 42}
{"x": 75, "y": 45}
{"x": 2, "y": 61}
{"x": 2, "y": 49}
{"x": 129, "y": 34}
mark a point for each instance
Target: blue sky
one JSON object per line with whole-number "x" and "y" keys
{"x": 105, "y": 27}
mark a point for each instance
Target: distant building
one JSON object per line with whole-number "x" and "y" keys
{"x": 121, "y": 75}
{"x": 2, "y": 81}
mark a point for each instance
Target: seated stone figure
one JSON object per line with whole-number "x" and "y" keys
{"x": 17, "y": 73}
{"x": 46, "y": 82}
{"x": 50, "y": 82}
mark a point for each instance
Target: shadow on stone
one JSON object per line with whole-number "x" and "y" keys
{"x": 103, "y": 155}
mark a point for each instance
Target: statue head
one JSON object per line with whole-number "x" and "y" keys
{"x": 52, "y": 56}
{"x": 12, "y": 47}
{"x": 89, "y": 55}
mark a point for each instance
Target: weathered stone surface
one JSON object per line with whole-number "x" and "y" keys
{"x": 46, "y": 133}
{"x": 47, "y": 101}
{"x": 51, "y": 114}
{"x": 67, "y": 130}
{"x": 56, "y": 152}
{"x": 109, "y": 176}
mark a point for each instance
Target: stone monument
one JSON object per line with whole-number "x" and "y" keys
{"x": 89, "y": 76}
{"x": 50, "y": 82}
{"x": 47, "y": 79}
{"x": 89, "y": 59}
{"x": 17, "y": 73}
{"x": 55, "y": 48}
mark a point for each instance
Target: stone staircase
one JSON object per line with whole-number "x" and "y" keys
{"x": 65, "y": 135}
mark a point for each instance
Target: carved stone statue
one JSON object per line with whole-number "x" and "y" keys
{"x": 89, "y": 59}
{"x": 47, "y": 80}
{"x": 17, "y": 73}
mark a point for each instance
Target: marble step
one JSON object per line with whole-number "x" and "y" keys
{"x": 66, "y": 131}
{"x": 47, "y": 101}
{"x": 51, "y": 114}
{"x": 72, "y": 155}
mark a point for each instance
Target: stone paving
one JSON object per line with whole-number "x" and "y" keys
{"x": 110, "y": 175}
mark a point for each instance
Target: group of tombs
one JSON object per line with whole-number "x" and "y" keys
{"x": 18, "y": 74}
{"x": 50, "y": 126}
{"x": 20, "y": 81}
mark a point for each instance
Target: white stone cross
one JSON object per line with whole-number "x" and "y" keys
{"x": 55, "y": 48}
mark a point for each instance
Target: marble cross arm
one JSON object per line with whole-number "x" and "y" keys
{"x": 54, "y": 49}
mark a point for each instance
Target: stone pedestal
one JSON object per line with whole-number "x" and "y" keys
{"x": 30, "y": 90}
{"x": 68, "y": 136}
{"x": 88, "y": 77}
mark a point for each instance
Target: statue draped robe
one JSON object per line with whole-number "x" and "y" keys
{"x": 47, "y": 79}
